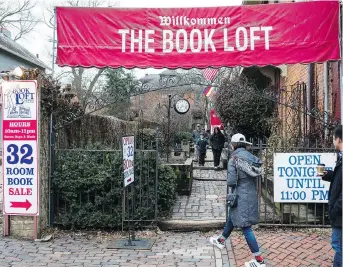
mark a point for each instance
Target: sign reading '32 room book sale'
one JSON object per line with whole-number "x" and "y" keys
{"x": 20, "y": 148}
{"x": 296, "y": 179}
{"x": 128, "y": 159}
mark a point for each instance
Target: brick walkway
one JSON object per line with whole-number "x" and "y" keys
{"x": 209, "y": 175}
{"x": 170, "y": 249}
{"x": 287, "y": 248}
{"x": 207, "y": 202}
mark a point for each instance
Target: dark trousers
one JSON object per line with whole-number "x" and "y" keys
{"x": 216, "y": 156}
{"x": 337, "y": 246}
{"x": 202, "y": 158}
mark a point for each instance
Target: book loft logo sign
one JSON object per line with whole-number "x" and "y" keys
{"x": 18, "y": 102}
{"x": 20, "y": 172}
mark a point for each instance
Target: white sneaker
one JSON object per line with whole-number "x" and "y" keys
{"x": 215, "y": 241}
{"x": 254, "y": 263}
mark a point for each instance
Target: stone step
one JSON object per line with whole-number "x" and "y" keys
{"x": 191, "y": 225}
{"x": 205, "y": 168}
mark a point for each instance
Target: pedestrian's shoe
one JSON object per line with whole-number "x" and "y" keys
{"x": 254, "y": 263}
{"x": 218, "y": 242}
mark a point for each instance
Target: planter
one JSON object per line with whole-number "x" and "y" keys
{"x": 185, "y": 146}
{"x": 184, "y": 173}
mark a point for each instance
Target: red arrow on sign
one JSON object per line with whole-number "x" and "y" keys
{"x": 26, "y": 205}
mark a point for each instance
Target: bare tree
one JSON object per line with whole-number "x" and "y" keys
{"x": 17, "y": 15}
{"x": 85, "y": 82}
{"x": 85, "y": 85}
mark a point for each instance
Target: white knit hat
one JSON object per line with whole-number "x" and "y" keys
{"x": 239, "y": 138}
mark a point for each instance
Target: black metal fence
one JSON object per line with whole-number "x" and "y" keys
{"x": 286, "y": 214}
{"x": 88, "y": 189}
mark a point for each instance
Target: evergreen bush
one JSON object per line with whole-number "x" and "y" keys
{"x": 88, "y": 188}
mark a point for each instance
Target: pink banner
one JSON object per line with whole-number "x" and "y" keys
{"x": 270, "y": 34}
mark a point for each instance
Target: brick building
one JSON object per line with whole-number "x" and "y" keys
{"x": 307, "y": 89}
{"x": 153, "y": 104}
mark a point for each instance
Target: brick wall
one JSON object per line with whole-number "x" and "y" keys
{"x": 334, "y": 90}
{"x": 292, "y": 94}
{"x": 298, "y": 73}
{"x": 149, "y": 102}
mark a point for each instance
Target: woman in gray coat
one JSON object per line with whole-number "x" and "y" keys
{"x": 243, "y": 170}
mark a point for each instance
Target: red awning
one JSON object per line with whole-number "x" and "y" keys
{"x": 271, "y": 34}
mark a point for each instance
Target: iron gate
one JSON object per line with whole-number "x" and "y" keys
{"x": 88, "y": 188}
{"x": 298, "y": 130}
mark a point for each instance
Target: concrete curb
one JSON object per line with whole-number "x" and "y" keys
{"x": 191, "y": 225}
{"x": 209, "y": 180}
{"x": 206, "y": 168}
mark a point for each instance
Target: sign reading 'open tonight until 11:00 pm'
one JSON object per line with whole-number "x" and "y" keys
{"x": 296, "y": 178}
{"x": 20, "y": 148}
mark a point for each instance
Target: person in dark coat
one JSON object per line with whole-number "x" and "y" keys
{"x": 217, "y": 141}
{"x": 335, "y": 199}
{"x": 243, "y": 170}
{"x": 202, "y": 147}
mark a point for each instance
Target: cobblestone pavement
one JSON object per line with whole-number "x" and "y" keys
{"x": 282, "y": 248}
{"x": 207, "y": 202}
{"x": 170, "y": 249}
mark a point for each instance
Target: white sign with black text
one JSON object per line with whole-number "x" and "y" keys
{"x": 296, "y": 180}
{"x": 128, "y": 159}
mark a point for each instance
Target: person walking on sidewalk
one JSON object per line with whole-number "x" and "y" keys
{"x": 196, "y": 135}
{"x": 217, "y": 141}
{"x": 335, "y": 198}
{"x": 243, "y": 170}
{"x": 202, "y": 147}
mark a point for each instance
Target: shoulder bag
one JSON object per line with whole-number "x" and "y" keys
{"x": 232, "y": 195}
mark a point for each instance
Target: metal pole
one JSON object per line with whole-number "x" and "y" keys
{"x": 326, "y": 90}
{"x": 309, "y": 96}
{"x": 53, "y": 44}
{"x": 341, "y": 63}
{"x": 156, "y": 174}
{"x": 168, "y": 140}
{"x": 52, "y": 134}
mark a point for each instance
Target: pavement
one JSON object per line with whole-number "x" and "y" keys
{"x": 206, "y": 202}
{"x": 280, "y": 248}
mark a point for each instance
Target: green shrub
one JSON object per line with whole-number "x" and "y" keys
{"x": 88, "y": 188}
{"x": 167, "y": 185}
{"x": 180, "y": 136}
{"x": 146, "y": 139}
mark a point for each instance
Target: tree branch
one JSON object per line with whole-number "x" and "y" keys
{"x": 18, "y": 15}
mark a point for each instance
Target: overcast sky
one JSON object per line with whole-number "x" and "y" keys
{"x": 37, "y": 41}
